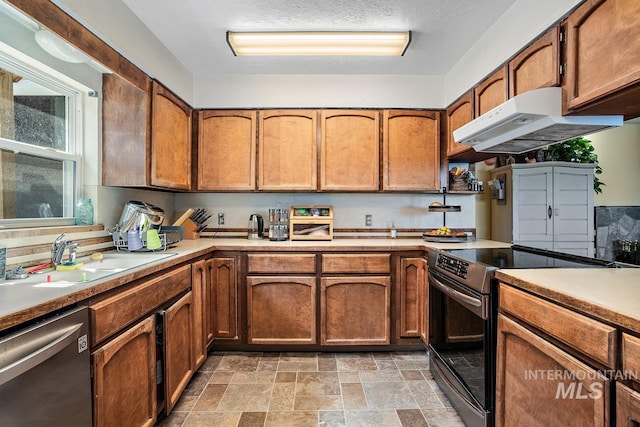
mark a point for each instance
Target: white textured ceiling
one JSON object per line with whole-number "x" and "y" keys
{"x": 195, "y": 31}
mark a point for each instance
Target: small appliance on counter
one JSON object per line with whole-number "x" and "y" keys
{"x": 311, "y": 222}
{"x": 255, "y": 229}
{"x": 278, "y": 224}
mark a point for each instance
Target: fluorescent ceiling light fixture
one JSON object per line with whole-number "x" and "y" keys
{"x": 59, "y": 48}
{"x": 370, "y": 43}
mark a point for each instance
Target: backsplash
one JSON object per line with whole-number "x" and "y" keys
{"x": 614, "y": 225}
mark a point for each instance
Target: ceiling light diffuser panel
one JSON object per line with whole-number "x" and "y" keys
{"x": 369, "y": 43}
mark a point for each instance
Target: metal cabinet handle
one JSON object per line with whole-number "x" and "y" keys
{"x": 549, "y": 212}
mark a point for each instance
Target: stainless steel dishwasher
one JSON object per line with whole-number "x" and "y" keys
{"x": 45, "y": 376}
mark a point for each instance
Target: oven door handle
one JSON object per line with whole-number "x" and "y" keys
{"x": 475, "y": 305}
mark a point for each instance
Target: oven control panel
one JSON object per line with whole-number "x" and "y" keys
{"x": 453, "y": 265}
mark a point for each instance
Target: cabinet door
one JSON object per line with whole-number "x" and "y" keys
{"x": 603, "y": 58}
{"x": 412, "y": 278}
{"x": 226, "y": 150}
{"x": 224, "y": 297}
{"x": 491, "y": 92}
{"x": 288, "y": 150}
{"x": 458, "y": 114}
{"x": 573, "y": 206}
{"x": 540, "y": 385}
{"x": 179, "y": 360}
{"x": 125, "y": 135}
{"x": 411, "y": 150}
{"x": 627, "y": 406}
{"x": 201, "y": 310}
{"x": 355, "y": 310}
{"x": 170, "y": 140}
{"x": 281, "y": 310}
{"x": 124, "y": 378}
{"x": 537, "y": 66}
{"x": 350, "y": 150}
{"x": 533, "y": 205}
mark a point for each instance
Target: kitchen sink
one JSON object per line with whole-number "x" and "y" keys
{"x": 91, "y": 270}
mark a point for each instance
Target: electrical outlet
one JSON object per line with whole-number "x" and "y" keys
{"x": 220, "y": 218}
{"x": 368, "y": 220}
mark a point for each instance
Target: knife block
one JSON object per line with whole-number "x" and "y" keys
{"x": 190, "y": 228}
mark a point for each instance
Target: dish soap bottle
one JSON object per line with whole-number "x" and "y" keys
{"x": 3, "y": 261}
{"x": 84, "y": 212}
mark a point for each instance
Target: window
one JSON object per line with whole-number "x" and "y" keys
{"x": 40, "y": 155}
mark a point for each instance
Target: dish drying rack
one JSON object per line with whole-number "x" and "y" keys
{"x": 169, "y": 235}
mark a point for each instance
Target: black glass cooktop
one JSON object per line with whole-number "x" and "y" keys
{"x": 526, "y": 257}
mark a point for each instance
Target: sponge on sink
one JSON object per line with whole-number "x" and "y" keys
{"x": 69, "y": 266}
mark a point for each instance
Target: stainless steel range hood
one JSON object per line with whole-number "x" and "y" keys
{"x": 529, "y": 121}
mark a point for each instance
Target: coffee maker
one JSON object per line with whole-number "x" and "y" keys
{"x": 255, "y": 229}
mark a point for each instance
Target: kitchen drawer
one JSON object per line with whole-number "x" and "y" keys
{"x": 630, "y": 353}
{"x": 594, "y": 339}
{"x": 112, "y": 314}
{"x": 281, "y": 263}
{"x": 356, "y": 263}
{"x": 627, "y": 406}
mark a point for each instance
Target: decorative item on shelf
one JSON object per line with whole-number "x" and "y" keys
{"x": 577, "y": 150}
{"x": 462, "y": 179}
{"x": 311, "y": 222}
{"x": 444, "y": 233}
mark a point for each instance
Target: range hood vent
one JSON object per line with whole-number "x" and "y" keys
{"x": 529, "y": 121}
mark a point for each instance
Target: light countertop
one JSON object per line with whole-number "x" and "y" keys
{"x": 20, "y": 303}
{"x": 609, "y": 294}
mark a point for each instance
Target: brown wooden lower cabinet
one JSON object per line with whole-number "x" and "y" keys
{"x": 412, "y": 278}
{"x": 202, "y": 313}
{"x": 538, "y": 384}
{"x": 281, "y": 310}
{"x": 355, "y": 310}
{"x": 179, "y": 359}
{"x": 627, "y": 406}
{"x": 224, "y": 297}
{"x": 124, "y": 375}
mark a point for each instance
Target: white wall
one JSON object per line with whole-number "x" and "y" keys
{"x": 521, "y": 24}
{"x": 307, "y": 91}
{"x": 113, "y": 22}
{"x": 618, "y": 151}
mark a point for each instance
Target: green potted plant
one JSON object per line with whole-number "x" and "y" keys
{"x": 577, "y": 150}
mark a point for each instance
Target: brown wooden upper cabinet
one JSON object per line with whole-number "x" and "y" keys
{"x": 536, "y": 66}
{"x": 227, "y": 150}
{"x": 350, "y": 150}
{"x": 491, "y": 92}
{"x": 170, "y": 140}
{"x": 458, "y": 114}
{"x": 125, "y": 132}
{"x": 411, "y": 150}
{"x": 603, "y": 58}
{"x": 146, "y": 136}
{"x": 288, "y": 150}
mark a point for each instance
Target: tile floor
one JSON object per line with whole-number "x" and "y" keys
{"x": 313, "y": 389}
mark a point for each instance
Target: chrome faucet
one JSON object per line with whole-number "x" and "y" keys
{"x": 59, "y": 246}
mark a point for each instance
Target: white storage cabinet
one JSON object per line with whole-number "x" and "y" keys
{"x": 548, "y": 205}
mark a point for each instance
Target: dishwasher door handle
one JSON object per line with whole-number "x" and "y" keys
{"x": 45, "y": 352}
